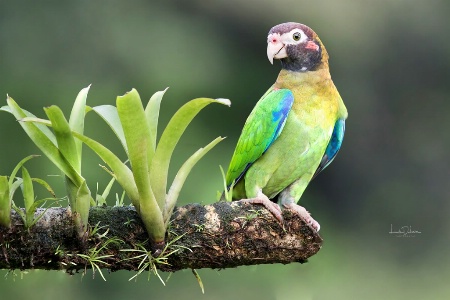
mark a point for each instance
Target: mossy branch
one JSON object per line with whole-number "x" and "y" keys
{"x": 221, "y": 235}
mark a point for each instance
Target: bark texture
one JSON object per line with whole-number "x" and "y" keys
{"x": 221, "y": 235}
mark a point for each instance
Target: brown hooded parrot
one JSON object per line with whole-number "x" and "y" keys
{"x": 294, "y": 131}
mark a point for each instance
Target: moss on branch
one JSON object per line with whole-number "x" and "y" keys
{"x": 221, "y": 235}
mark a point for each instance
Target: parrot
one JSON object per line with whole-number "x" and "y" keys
{"x": 294, "y": 131}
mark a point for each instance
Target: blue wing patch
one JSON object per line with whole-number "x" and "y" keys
{"x": 333, "y": 146}
{"x": 263, "y": 126}
{"x": 279, "y": 116}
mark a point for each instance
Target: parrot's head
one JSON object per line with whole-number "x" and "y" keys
{"x": 297, "y": 46}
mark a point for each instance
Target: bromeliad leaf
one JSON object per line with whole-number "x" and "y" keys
{"x": 34, "y": 207}
{"x": 28, "y": 194}
{"x": 177, "y": 125}
{"x": 83, "y": 203}
{"x": 78, "y": 192}
{"x": 5, "y": 202}
{"x": 181, "y": 176}
{"x": 66, "y": 142}
{"x": 45, "y": 185}
{"x": 76, "y": 120}
{"x": 44, "y": 143}
{"x": 122, "y": 173}
{"x": 24, "y": 114}
{"x": 152, "y": 115}
{"x": 109, "y": 114}
{"x": 137, "y": 135}
{"x": 17, "y": 168}
{"x": 61, "y": 148}
{"x": 13, "y": 187}
{"x": 8, "y": 189}
{"x": 146, "y": 182}
{"x": 100, "y": 199}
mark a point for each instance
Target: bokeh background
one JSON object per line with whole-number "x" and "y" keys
{"x": 390, "y": 60}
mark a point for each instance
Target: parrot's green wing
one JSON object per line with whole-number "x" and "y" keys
{"x": 262, "y": 128}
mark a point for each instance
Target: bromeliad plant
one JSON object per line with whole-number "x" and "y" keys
{"x": 8, "y": 187}
{"x": 146, "y": 182}
{"x": 63, "y": 150}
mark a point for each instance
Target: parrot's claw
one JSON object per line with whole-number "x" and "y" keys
{"x": 304, "y": 215}
{"x": 262, "y": 199}
{"x": 275, "y": 210}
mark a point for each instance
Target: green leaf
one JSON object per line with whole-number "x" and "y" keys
{"x": 13, "y": 187}
{"x": 28, "y": 196}
{"x": 119, "y": 202}
{"x": 83, "y": 205}
{"x": 137, "y": 136}
{"x": 19, "y": 211}
{"x": 136, "y": 131}
{"x": 80, "y": 202}
{"x": 33, "y": 208}
{"x": 17, "y": 167}
{"x": 101, "y": 199}
{"x": 109, "y": 114}
{"x": 78, "y": 192}
{"x": 64, "y": 155}
{"x": 76, "y": 120}
{"x": 152, "y": 116}
{"x": 45, "y": 144}
{"x": 66, "y": 142}
{"x": 28, "y": 115}
{"x": 72, "y": 192}
{"x": 108, "y": 188}
{"x": 44, "y": 183}
{"x": 39, "y": 121}
{"x": 122, "y": 173}
{"x": 27, "y": 188}
{"x": 181, "y": 176}
{"x": 169, "y": 139}
{"x": 5, "y": 202}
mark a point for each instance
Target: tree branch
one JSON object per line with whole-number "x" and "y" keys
{"x": 221, "y": 235}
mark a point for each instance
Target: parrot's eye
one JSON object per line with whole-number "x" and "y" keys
{"x": 296, "y": 36}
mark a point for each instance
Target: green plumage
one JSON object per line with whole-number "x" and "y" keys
{"x": 259, "y": 131}
{"x": 295, "y": 129}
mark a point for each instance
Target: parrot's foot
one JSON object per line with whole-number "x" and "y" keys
{"x": 262, "y": 199}
{"x": 303, "y": 214}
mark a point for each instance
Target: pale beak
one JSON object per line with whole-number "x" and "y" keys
{"x": 275, "y": 48}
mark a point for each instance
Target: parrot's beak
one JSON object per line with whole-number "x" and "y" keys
{"x": 275, "y": 48}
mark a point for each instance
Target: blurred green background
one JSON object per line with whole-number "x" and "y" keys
{"x": 390, "y": 61}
